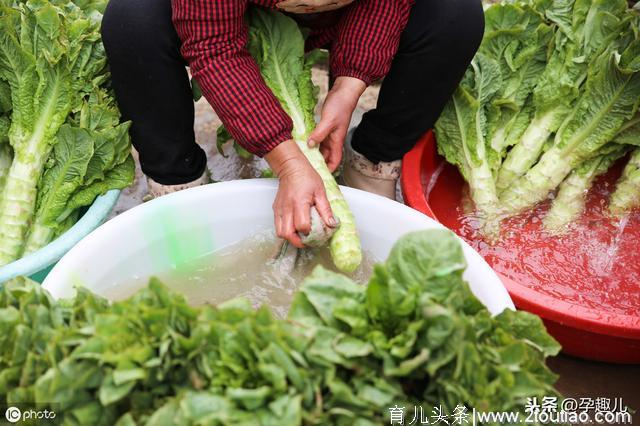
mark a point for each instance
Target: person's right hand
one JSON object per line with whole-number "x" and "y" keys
{"x": 300, "y": 188}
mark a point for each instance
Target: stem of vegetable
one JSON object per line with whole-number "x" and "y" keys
{"x": 524, "y": 154}
{"x": 533, "y": 187}
{"x": 290, "y": 81}
{"x": 572, "y": 195}
{"x": 39, "y": 236}
{"x": 5, "y": 164}
{"x": 18, "y": 204}
{"x": 345, "y": 244}
{"x": 627, "y": 193}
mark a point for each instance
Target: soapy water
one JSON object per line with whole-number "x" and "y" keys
{"x": 245, "y": 269}
{"x": 596, "y": 264}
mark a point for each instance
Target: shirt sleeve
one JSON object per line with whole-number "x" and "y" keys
{"x": 367, "y": 39}
{"x": 214, "y": 42}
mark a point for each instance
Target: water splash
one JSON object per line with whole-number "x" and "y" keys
{"x": 612, "y": 251}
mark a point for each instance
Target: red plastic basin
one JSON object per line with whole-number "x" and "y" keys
{"x": 582, "y": 331}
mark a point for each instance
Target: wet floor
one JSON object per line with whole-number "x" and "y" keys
{"x": 587, "y": 379}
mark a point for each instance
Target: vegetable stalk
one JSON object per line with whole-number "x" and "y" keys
{"x": 5, "y": 163}
{"x": 571, "y": 198}
{"x": 278, "y": 47}
{"x": 627, "y": 193}
{"x": 462, "y": 126}
{"x": 41, "y": 88}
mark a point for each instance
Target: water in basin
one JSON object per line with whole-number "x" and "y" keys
{"x": 244, "y": 269}
{"x": 595, "y": 264}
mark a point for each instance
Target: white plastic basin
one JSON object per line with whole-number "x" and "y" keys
{"x": 188, "y": 224}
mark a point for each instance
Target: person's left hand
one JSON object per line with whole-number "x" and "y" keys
{"x": 338, "y": 107}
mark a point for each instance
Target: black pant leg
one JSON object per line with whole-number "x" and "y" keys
{"x": 152, "y": 88}
{"x": 436, "y": 47}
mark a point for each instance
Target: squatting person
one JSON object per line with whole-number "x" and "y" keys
{"x": 420, "y": 47}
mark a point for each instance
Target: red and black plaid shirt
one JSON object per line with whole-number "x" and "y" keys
{"x": 363, "y": 41}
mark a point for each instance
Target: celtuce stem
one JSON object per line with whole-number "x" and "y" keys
{"x": 525, "y": 154}
{"x": 17, "y": 207}
{"x": 536, "y": 185}
{"x": 5, "y": 165}
{"x": 571, "y": 199}
{"x": 345, "y": 244}
{"x": 39, "y": 236}
{"x": 627, "y": 193}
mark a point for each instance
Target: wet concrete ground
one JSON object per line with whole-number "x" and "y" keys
{"x": 578, "y": 378}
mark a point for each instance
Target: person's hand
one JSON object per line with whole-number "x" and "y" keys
{"x": 336, "y": 114}
{"x": 312, "y": 6}
{"x": 300, "y": 188}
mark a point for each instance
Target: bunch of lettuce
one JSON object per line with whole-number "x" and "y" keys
{"x": 61, "y": 140}
{"x": 548, "y": 104}
{"x": 346, "y": 354}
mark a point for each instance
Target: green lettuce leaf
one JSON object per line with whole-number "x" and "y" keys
{"x": 518, "y": 38}
{"x": 629, "y": 134}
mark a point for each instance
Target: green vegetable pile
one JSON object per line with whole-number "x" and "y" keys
{"x": 415, "y": 335}
{"x": 61, "y": 141}
{"x": 549, "y": 103}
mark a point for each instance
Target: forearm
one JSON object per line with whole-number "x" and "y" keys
{"x": 214, "y": 38}
{"x": 247, "y": 108}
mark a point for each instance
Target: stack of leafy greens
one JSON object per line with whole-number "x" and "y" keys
{"x": 549, "y": 103}
{"x": 61, "y": 141}
{"x": 416, "y": 336}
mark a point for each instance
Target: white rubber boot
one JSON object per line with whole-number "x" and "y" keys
{"x": 360, "y": 173}
{"x": 156, "y": 189}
